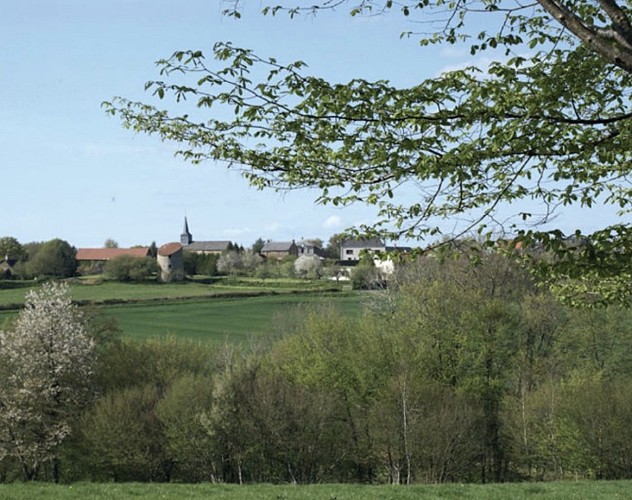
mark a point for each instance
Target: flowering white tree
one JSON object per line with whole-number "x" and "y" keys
{"x": 229, "y": 262}
{"x": 250, "y": 261}
{"x": 46, "y": 366}
{"x": 308, "y": 266}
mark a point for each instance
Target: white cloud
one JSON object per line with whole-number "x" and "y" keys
{"x": 332, "y": 222}
{"x": 272, "y": 227}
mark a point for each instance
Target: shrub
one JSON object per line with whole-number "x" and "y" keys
{"x": 129, "y": 268}
{"x": 307, "y": 266}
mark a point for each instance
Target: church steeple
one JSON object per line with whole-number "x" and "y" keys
{"x": 186, "y": 238}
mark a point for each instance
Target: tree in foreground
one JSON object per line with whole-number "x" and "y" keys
{"x": 46, "y": 364}
{"x": 548, "y": 122}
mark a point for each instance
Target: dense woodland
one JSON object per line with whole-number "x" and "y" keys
{"x": 457, "y": 372}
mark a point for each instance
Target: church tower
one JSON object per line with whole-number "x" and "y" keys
{"x": 186, "y": 238}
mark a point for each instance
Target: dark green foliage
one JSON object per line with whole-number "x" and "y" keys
{"x": 130, "y": 268}
{"x": 150, "y": 391}
{"x": 258, "y": 245}
{"x": 200, "y": 264}
{"x": 332, "y": 250}
{"x": 55, "y": 258}
{"x": 184, "y": 413}
{"x": 366, "y": 276}
{"x": 10, "y": 247}
{"x": 124, "y": 437}
{"x": 153, "y": 250}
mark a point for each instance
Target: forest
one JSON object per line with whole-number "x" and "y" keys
{"x": 462, "y": 370}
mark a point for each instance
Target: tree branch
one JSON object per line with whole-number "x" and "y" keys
{"x": 616, "y": 53}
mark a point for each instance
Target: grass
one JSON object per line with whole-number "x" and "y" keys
{"x": 584, "y": 490}
{"x": 218, "y": 320}
{"x": 215, "y": 311}
{"x": 12, "y": 293}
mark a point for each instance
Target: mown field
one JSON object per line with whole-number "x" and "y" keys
{"x": 12, "y": 292}
{"x": 582, "y": 490}
{"x": 223, "y": 310}
{"x": 219, "y": 319}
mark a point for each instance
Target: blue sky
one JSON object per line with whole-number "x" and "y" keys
{"x": 70, "y": 171}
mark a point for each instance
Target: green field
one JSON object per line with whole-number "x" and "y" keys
{"x": 12, "y": 293}
{"x": 582, "y": 490}
{"x": 220, "y": 319}
{"x": 223, "y": 310}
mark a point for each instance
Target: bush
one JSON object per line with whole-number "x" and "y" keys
{"x": 129, "y": 268}
{"x": 124, "y": 437}
{"x": 202, "y": 264}
{"x": 307, "y": 266}
{"x": 54, "y": 258}
{"x": 147, "y": 426}
{"x": 367, "y": 278}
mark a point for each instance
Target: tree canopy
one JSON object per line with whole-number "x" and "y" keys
{"x": 11, "y": 248}
{"x": 548, "y": 122}
{"x": 53, "y": 258}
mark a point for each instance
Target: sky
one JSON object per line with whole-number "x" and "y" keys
{"x": 70, "y": 171}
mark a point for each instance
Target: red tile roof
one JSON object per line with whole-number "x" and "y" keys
{"x": 110, "y": 253}
{"x": 169, "y": 249}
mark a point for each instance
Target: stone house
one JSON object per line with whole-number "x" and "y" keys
{"x": 307, "y": 247}
{"x": 171, "y": 262}
{"x": 279, "y": 249}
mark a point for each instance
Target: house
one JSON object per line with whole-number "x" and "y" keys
{"x": 309, "y": 248}
{"x": 201, "y": 247}
{"x": 6, "y": 268}
{"x": 171, "y": 262}
{"x": 93, "y": 259}
{"x": 351, "y": 250}
{"x": 279, "y": 249}
{"x": 207, "y": 247}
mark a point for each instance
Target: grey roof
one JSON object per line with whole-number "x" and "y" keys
{"x": 399, "y": 249}
{"x": 366, "y": 243}
{"x": 306, "y": 243}
{"x": 207, "y": 246}
{"x": 277, "y": 246}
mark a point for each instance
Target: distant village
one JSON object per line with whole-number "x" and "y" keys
{"x": 170, "y": 257}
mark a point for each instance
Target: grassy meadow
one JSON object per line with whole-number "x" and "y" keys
{"x": 97, "y": 291}
{"x": 581, "y": 490}
{"x": 220, "y": 319}
{"x": 217, "y": 311}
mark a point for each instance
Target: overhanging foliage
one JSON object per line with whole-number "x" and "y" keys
{"x": 548, "y": 122}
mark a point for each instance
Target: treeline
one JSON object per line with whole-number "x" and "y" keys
{"x": 57, "y": 259}
{"x": 458, "y": 372}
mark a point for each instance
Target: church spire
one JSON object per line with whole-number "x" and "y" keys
{"x": 186, "y": 238}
